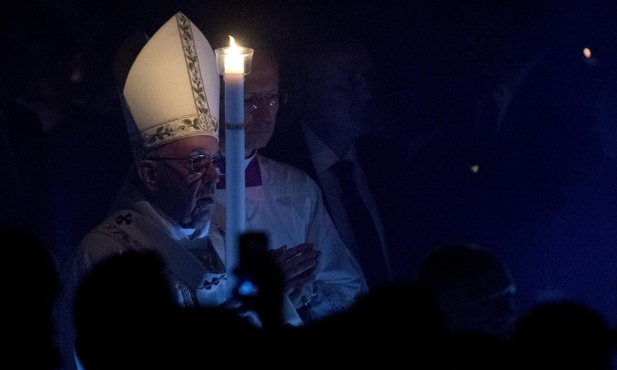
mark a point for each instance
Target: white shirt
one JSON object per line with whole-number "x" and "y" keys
{"x": 288, "y": 207}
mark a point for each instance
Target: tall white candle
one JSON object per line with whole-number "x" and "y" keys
{"x": 231, "y": 62}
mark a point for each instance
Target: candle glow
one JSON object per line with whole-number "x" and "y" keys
{"x": 234, "y": 61}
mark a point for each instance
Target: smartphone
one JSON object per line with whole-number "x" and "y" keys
{"x": 253, "y": 258}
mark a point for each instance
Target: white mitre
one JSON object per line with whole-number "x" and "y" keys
{"x": 172, "y": 88}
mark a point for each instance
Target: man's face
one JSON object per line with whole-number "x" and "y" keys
{"x": 261, "y": 92}
{"x": 185, "y": 196}
{"x": 339, "y": 101}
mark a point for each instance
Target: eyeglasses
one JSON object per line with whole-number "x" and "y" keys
{"x": 200, "y": 163}
{"x": 254, "y": 102}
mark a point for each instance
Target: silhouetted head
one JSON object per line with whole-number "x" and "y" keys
{"x": 474, "y": 288}
{"x": 124, "y": 311}
{"x": 29, "y": 285}
{"x": 562, "y": 334}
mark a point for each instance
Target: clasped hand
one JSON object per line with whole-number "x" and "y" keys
{"x": 297, "y": 264}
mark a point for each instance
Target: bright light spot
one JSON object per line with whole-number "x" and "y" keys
{"x": 474, "y": 168}
{"x": 587, "y": 53}
{"x": 247, "y": 289}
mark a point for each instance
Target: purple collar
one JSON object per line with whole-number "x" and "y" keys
{"x": 252, "y": 175}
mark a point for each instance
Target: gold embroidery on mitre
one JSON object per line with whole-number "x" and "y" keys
{"x": 189, "y": 124}
{"x": 176, "y": 129}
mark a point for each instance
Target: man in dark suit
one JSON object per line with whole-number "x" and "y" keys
{"x": 335, "y": 122}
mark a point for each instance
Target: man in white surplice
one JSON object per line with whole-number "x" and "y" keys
{"x": 322, "y": 276}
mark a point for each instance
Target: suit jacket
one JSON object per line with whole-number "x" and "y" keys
{"x": 384, "y": 165}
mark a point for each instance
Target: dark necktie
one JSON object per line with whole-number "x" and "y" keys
{"x": 368, "y": 247}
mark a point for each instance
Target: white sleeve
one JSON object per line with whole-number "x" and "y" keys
{"x": 339, "y": 278}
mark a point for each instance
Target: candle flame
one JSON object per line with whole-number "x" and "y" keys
{"x": 234, "y": 60}
{"x": 587, "y": 53}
